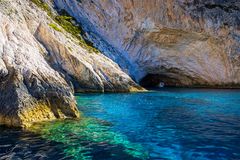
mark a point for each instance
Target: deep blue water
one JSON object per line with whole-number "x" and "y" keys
{"x": 175, "y": 124}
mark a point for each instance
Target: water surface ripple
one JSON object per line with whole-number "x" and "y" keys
{"x": 175, "y": 124}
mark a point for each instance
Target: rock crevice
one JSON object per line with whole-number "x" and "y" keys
{"x": 193, "y": 42}
{"x": 41, "y": 66}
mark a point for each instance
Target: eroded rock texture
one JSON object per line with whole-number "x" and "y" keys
{"x": 30, "y": 89}
{"x": 89, "y": 72}
{"x": 40, "y": 67}
{"x": 179, "y": 42}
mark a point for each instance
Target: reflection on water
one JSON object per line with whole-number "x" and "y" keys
{"x": 175, "y": 124}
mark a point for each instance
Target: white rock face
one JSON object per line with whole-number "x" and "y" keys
{"x": 180, "y": 42}
{"x": 89, "y": 72}
{"x": 30, "y": 90}
{"x": 38, "y": 66}
{"x": 177, "y": 42}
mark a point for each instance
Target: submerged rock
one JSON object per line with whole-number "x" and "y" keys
{"x": 44, "y": 57}
{"x": 179, "y": 42}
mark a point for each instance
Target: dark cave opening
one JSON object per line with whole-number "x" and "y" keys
{"x": 157, "y": 80}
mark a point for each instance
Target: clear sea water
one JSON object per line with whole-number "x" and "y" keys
{"x": 174, "y": 124}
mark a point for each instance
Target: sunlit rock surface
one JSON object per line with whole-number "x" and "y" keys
{"x": 30, "y": 90}
{"x": 89, "y": 72}
{"x": 179, "y": 42}
{"x": 40, "y": 67}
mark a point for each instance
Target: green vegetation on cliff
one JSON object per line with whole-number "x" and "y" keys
{"x": 68, "y": 23}
{"x": 55, "y": 27}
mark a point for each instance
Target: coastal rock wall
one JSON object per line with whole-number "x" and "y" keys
{"x": 41, "y": 64}
{"x": 89, "y": 72}
{"x": 30, "y": 90}
{"x": 44, "y": 58}
{"x": 179, "y": 42}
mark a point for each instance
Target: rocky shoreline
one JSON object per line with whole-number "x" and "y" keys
{"x": 41, "y": 68}
{"x": 51, "y": 49}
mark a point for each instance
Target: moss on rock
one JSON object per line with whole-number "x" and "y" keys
{"x": 68, "y": 23}
{"x": 55, "y": 27}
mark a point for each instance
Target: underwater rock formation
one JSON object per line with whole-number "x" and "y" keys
{"x": 51, "y": 49}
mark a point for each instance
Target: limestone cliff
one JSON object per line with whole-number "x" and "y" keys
{"x": 30, "y": 90}
{"x": 42, "y": 62}
{"x": 51, "y": 48}
{"x": 179, "y": 42}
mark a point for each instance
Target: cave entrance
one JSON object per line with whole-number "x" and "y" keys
{"x": 158, "y": 80}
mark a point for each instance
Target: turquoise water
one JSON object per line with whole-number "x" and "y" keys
{"x": 175, "y": 124}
